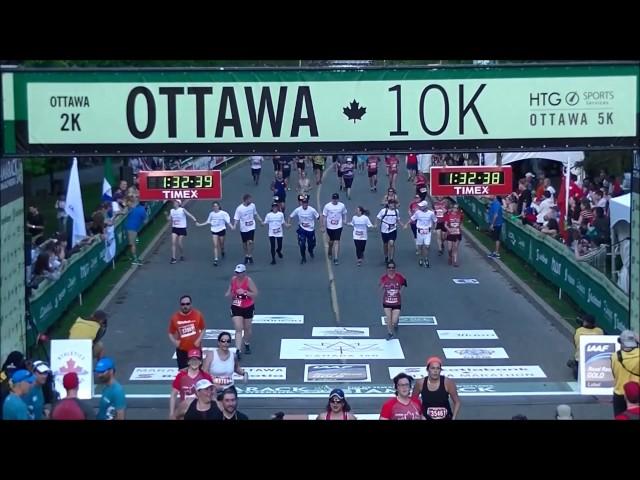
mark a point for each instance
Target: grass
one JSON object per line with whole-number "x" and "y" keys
{"x": 565, "y": 307}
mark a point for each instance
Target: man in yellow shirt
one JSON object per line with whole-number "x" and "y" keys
{"x": 625, "y": 366}
{"x": 587, "y": 327}
{"x": 92, "y": 329}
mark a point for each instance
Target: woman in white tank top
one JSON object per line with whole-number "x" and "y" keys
{"x": 222, "y": 364}
{"x": 178, "y": 218}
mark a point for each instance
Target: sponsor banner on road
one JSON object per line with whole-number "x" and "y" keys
{"x": 169, "y": 373}
{"x": 303, "y": 349}
{"x": 340, "y": 332}
{"x": 455, "y": 372}
{"x": 413, "y": 320}
{"x": 466, "y": 334}
{"x": 212, "y": 333}
{"x": 465, "y": 281}
{"x": 480, "y": 353}
{"x": 596, "y": 377}
{"x": 205, "y": 350}
{"x": 278, "y": 319}
{"x": 314, "y": 390}
{"x": 339, "y": 372}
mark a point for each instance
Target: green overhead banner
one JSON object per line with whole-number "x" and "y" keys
{"x": 324, "y": 111}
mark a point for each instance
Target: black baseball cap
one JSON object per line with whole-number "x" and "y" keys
{"x": 335, "y": 196}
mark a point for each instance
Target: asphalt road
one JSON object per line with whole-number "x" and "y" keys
{"x": 140, "y": 312}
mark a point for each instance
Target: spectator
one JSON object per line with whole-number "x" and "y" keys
{"x": 549, "y": 188}
{"x": 529, "y": 181}
{"x": 529, "y": 217}
{"x": 134, "y": 190}
{"x": 524, "y": 196}
{"x": 586, "y": 212}
{"x": 563, "y": 412}
{"x": 230, "y": 406}
{"x": 495, "y": 223}
{"x": 574, "y": 209}
{"x": 615, "y": 189}
{"x": 544, "y": 207}
{"x": 92, "y": 328}
{"x": 551, "y": 228}
{"x": 587, "y": 326}
{"x": 135, "y": 220}
{"x": 35, "y": 398}
{"x": 15, "y": 361}
{"x": 625, "y": 367}
{"x": 35, "y": 224}
{"x": 71, "y": 407}
{"x": 632, "y": 397}
{"x": 540, "y": 187}
{"x": 61, "y": 214}
{"x": 43, "y": 270}
{"x": 14, "y": 407}
{"x": 601, "y": 227}
{"x": 113, "y": 402}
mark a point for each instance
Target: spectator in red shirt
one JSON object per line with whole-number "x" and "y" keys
{"x": 632, "y": 396}
{"x": 186, "y": 329}
{"x": 402, "y": 406}
{"x": 184, "y": 385}
{"x": 71, "y": 407}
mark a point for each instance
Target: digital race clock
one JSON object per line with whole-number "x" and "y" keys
{"x": 455, "y": 181}
{"x": 182, "y": 184}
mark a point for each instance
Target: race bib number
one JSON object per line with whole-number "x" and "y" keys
{"x": 306, "y": 224}
{"x": 248, "y": 223}
{"x": 360, "y": 233}
{"x": 334, "y": 222}
{"x": 391, "y": 295}
{"x": 175, "y": 223}
{"x": 423, "y": 189}
{"x": 187, "y": 330}
{"x": 437, "y": 413}
{"x": 237, "y": 302}
{"x": 424, "y": 231}
{"x": 276, "y": 230}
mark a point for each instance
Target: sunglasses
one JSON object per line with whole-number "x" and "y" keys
{"x": 224, "y": 341}
{"x": 185, "y": 304}
{"x": 391, "y": 268}
{"x": 336, "y": 400}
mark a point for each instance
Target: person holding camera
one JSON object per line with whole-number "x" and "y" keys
{"x": 586, "y": 326}
{"x": 625, "y": 366}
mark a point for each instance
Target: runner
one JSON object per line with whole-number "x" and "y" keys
{"x": 402, "y": 406}
{"x": 421, "y": 185}
{"x": 242, "y": 291}
{"x": 337, "y": 407}
{"x": 306, "y": 227}
{"x": 360, "y": 222}
{"x": 285, "y": 168}
{"x": 178, "y": 218}
{"x": 275, "y": 220}
{"x": 246, "y": 213}
{"x": 229, "y": 404}
{"x": 183, "y": 386}
{"x": 279, "y": 189}
{"x": 256, "y": 167}
{"x": 372, "y": 172}
{"x": 390, "y": 195}
{"x": 412, "y": 166}
{"x": 389, "y": 218}
{"x": 413, "y": 207}
{"x": 453, "y": 224}
{"x": 391, "y": 283}
{"x": 441, "y": 207}
{"x": 338, "y": 161}
{"x": 347, "y": 175}
{"x": 221, "y": 364}
{"x": 203, "y": 407}
{"x": 276, "y": 163}
{"x": 218, "y": 219}
{"x": 425, "y": 220}
{"x": 301, "y": 161}
{"x": 334, "y": 214}
{"x": 186, "y": 329}
{"x": 435, "y": 393}
{"x": 113, "y": 403}
{"x": 318, "y": 166}
{"x": 361, "y": 162}
{"x": 391, "y": 161}
{"x": 304, "y": 184}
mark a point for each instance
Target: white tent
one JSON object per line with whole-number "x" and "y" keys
{"x": 507, "y": 158}
{"x": 620, "y": 221}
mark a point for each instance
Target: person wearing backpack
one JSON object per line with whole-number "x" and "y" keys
{"x": 625, "y": 367}
{"x": 71, "y": 407}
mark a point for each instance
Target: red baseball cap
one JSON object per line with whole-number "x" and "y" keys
{"x": 195, "y": 352}
{"x": 632, "y": 392}
{"x": 70, "y": 381}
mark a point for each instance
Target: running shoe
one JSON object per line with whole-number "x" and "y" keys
{"x": 215, "y": 262}
{"x": 420, "y": 262}
{"x": 311, "y": 254}
{"x": 137, "y": 262}
{"x": 222, "y": 253}
{"x": 247, "y": 349}
{"x": 279, "y": 254}
{"x": 426, "y": 263}
{"x": 182, "y": 258}
{"x": 303, "y": 260}
{"x": 389, "y": 336}
{"x": 173, "y": 260}
{"x": 250, "y": 260}
{"x": 273, "y": 262}
{"x": 335, "y": 261}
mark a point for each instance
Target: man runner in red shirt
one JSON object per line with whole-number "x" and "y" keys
{"x": 391, "y": 283}
{"x": 186, "y": 329}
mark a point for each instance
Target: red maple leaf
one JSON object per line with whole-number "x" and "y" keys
{"x": 71, "y": 367}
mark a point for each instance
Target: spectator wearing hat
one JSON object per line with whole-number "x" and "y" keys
{"x": 14, "y": 361}
{"x": 632, "y": 397}
{"x": 435, "y": 390}
{"x": 203, "y": 407}
{"x": 563, "y": 412}
{"x": 35, "y": 397}
{"x": 184, "y": 385}
{"x": 625, "y": 366}
{"x": 92, "y": 328}
{"x": 113, "y": 402}
{"x": 229, "y": 405}
{"x": 587, "y": 326}
{"x": 337, "y": 407}
{"x": 186, "y": 329}
{"x": 71, "y": 407}
{"x": 14, "y": 406}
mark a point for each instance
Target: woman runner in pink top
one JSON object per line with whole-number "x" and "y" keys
{"x": 242, "y": 291}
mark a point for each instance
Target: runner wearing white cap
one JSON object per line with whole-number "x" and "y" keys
{"x": 242, "y": 291}
{"x": 425, "y": 220}
{"x": 203, "y": 407}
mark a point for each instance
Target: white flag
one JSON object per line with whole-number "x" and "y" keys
{"x": 73, "y": 205}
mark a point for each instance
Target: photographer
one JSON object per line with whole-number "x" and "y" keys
{"x": 586, "y": 326}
